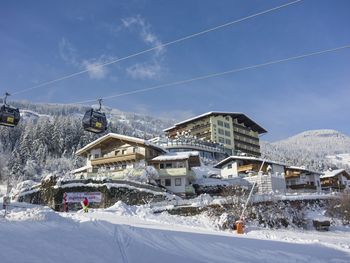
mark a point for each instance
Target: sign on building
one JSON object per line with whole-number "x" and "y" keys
{"x": 77, "y": 197}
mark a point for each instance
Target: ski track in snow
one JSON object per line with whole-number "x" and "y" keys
{"x": 37, "y": 234}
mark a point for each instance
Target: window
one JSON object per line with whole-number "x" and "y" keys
{"x": 220, "y": 131}
{"x": 167, "y": 182}
{"x": 89, "y": 156}
{"x": 228, "y": 141}
{"x": 221, "y": 123}
{"x": 221, "y": 140}
{"x": 134, "y": 150}
{"x": 229, "y": 166}
{"x": 123, "y": 166}
{"x": 227, "y": 133}
{"x": 96, "y": 156}
{"x": 116, "y": 152}
{"x": 177, "y": 181}
{"x": 161, "y": 165}
{"x": 123, "y": 151}
{"x": 168, "y": 165}
{"x": 227, "y": 125}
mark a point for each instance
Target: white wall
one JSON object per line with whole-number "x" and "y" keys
{"x": 229, "y": 172}
{"x": 173, "y": 188}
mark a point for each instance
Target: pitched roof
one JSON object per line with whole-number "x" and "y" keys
{"x": 236, "y": 115}
{"x": 236, "y": 157}
{"x": 119, "y": 137}
{"x": 333, "y": 173}
{"x": 302, "y": 168}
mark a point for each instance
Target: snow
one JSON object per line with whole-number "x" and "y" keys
{"x": 110, "y": 185}
{"x": 206, "y": 171}
{"x": 236, "y": 157}
{"x": 340, "y": 159}
{"x": 332, "y": 173}
{"x": 81, "y": 169}
{"x": 133, "y": 234}
{"x": 175, "y": 156}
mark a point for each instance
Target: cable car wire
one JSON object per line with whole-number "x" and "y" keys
{"x": 157, "y": 47}
{"x": 217, "y": 74}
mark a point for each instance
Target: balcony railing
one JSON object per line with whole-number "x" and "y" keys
{"x": 173, "y": 172}
{"x": 117, "y": 159}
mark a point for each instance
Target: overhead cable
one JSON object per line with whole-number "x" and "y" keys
{"x": 217, "y": 74}
{"x": 47, "y": 83}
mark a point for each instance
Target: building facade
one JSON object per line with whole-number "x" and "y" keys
{"x": 268, "y": 175}
{"x": 335, "y": 180}
{"x": 299, "y": 178}
{"x": 117, "y": 156}
{"x": 235, "y": 131}
{"x": 175, "y": 170}
{"x": 208, "y": 151}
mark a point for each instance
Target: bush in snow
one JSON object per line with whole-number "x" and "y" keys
{"x": 149, "y": 175}
{"x": 340, "y": 208}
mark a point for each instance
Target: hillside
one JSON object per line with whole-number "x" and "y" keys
{"x": 48, "y": 135}
{"x": 309, "y": 148}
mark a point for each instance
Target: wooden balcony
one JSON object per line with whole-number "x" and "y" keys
{"x": 133, "y": 157}
{"x": 172, "y": 172}
{"x": 248, "y": 167}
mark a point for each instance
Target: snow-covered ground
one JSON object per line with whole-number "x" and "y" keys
{"x": 133, "y": 234}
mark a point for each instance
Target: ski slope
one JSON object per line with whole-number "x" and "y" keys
{"x": 134, "y": 234}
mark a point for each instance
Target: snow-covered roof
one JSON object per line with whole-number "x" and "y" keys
{"x": 175, "y": 156}
{"x": 250, "y": 158}
{"x": 332, "y": 173}
{"x": 81, "y": 169}
{"x": 239, "y": 115}
{"x": 302, "y": 168}
{"x": 119, "y": 137}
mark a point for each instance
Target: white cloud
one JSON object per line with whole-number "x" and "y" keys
{"x": 94, "y": 70}
{"x": 147, "y": 70}
{"x": 67, "y": 52}
{"x": 69, "y": 55}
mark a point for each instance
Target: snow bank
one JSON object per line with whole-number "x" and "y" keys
{"x": 39, "y": 235}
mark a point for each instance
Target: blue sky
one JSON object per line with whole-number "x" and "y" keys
{"x": 44, "y": 40}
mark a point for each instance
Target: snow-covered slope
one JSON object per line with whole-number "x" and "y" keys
{"x": 308, "y": 148}
{"x": 340, "y": 159}
{"x": 37, "y": 234}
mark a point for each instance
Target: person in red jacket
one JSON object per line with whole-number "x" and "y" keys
{"x": 85, "y": 204}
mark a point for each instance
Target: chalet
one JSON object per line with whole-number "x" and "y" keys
{"x": 244, "y": 166}
{"x": 175, "y": 170}
{"x": 335, "y": 180}
{"x": 300, "y": 178}
{"x": 270, "y": 178}
{"x": 118, "y": 156}
{"x": 115, "y": 156}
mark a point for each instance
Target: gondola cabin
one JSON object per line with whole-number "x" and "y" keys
{"x": 9, "y": 116}
{"x": 94, "y": 121}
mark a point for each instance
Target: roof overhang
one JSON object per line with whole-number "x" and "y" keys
{"x": 244, "y": 158}
{"x": 241, "y": 117}
{"x": 124, "y": 138}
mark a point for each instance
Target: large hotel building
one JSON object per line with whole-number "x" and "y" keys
{"x": 235, "y": 131}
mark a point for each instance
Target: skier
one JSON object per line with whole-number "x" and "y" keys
{"x": 85, "y": 205}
